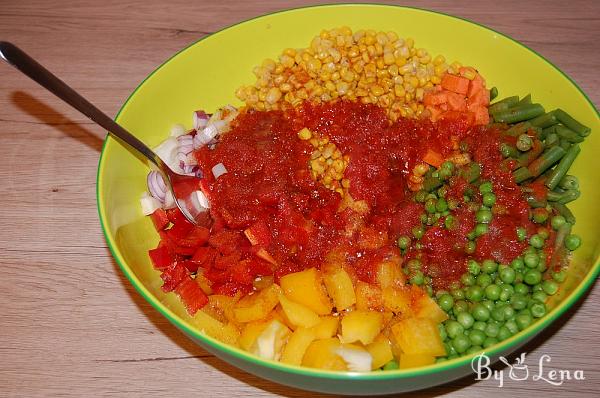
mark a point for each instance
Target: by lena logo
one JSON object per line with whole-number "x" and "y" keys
{"x": 519, "y": 371}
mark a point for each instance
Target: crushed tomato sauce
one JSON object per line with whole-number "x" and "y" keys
{"x": 268, "y": 191}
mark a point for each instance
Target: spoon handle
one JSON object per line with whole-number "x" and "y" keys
{"x": 30, "y": 67}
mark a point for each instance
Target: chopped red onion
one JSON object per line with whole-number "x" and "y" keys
{"x": 200, "y": 119}
{"x": 205, "y": 136}
{"x": 218, "y": 170}
{"x": 156, "y": 185}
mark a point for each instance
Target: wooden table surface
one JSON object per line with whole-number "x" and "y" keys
{"x": 70, "y": 323}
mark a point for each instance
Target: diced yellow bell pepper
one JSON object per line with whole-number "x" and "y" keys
{"x": 322, "y": 354}
{"x": 296, "y": 346}
{"x": 251, "y": 332}
{"x": 397, "y": 300}
{"x": 408, "y": 361}
{"x": 381, "y": 351}
{"x": 258, "y": 305}
{"x": 298, "y": 314}
{"x": 340, "y": 289}
{"x": 361, "y": 326}
{"x": 226, "y": 333}
{"x": 306, "y": 287}
{"x": 327, "y": 327}
{"x": 426, "y": 307}
{"x": 419, "y": 336}
{"x": 368, "y": 297}
{"x": 389, "y": 274}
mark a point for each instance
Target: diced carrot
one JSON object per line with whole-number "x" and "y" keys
{"x": 481, "y": 98}
{"x": 435, "y": 98}
{"x": 435, "y": 113}
{"x": 433, "y": 158}
{"x": 481, "y": 116}
{"x": 456, "y": 84}
{"x": 456, "y": 102}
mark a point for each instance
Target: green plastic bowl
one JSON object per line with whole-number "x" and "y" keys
{"x": 206, "y": 74}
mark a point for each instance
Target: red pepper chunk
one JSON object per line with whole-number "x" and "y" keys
{"x": 161, "y": 257}
{"x": 196, "y": 237}
{"x": 192, "y": 295}
{"x": 172, "y": 276}
{"x": 160, "y": 219}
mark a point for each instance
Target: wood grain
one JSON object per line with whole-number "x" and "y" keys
{"x": 70, "y": 323}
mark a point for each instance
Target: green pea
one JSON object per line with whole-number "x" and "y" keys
{"x": 492, "y": 292}
{"x": 572, "y": 242}
{"x": 538, "y": 309}
{"x": 507, "y": 275}
{"x": 543, "y": 232}
{"x": 470, "y": 247}
{"x": 521, "y": 234}
{"x": 480, "y": 312}
{"x": 471, "y": 235}
{"x": 444, "y": 174}
{"x": 498, "y": 313}
{"x": 506, "y": 293}
{"x": 509, "y": 312}
{"x": 559, "y": 276}
{"x": 532, "y": 277}
{"x": 467, "y": 279}
{"x": 489, "y": 304}
{"x": 473, "y": 267}
{"x": 465, "y": 319}
{"x": 421, "y": 196}
{"x": 531, "y": 260}
{"x": 450, "y": 222}
{"x": 474, "y": 349}
{"x": 418, "y": 278}
{"x": 478, "y": 325}
{"x": 522, "y": 289}
{"x": 492, "y": 330}
{"x": 511, "y": 325}
{"x": 423, "y": 218}
{"x": 549, "y": 287}
{"x": 442, "y": 191}
{"x": 450, "y": 350}
{"x": 461, "y": 343}
{"x": 458, "y": 294}
{"x": 452, "y": 203}
{"x": 430, "y": 205}
{"x": 483, "y": 280}
{"x": 557, "y": 221}
{"x": 539, "y": 296}
{"x": 413, "y": 265}
{"x": 481, "y": 229}
{"x": 453, "y": 328}
{"x": 460, "y": 306}
{"x": 517, "y": 264}
{"x": 474, "y": 293}
{"x": 489, "y": 199}
{"x": 523, "y": 321}
{"x": 518, "y": 301}
{"x": 490, "y": 341}
{"x": 483, "y": 216}
{"x": 489, "y": 266}
{"x": 441, "y": 205}
{"x": 540, "y": 215}
{"x": 418, "y": 231}
{"x": 485, "y": 187}
{"x": 504, "y": 333}
{"x": 440, "y": 359}
{"x": 446, "y": 302}
{"x": 403, "y": 242}
{"x": 391, "y": 365}
{"x": 448, "y": 165}
{"x": 477, "y": 337}
{"x": 536, "y": 241}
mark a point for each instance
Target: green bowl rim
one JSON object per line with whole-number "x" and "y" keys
{"x": 516, "y": 340}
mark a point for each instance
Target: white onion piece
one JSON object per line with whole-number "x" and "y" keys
{"x": 167, "y": 151}
{"x": 156, "y": 185}
{"x": 185, "y": 139}
{"x": 205, "y": 136}
{"x": 200, "y": 201}
{"x": 356, "y": 360}
{"x": 219, "y": 125}
{"x": 177, "y": 130}
{"x": 149, "y": 204}
{"x": 218, "y": 170}
{"x": 169, "y": 200}
{"x": 200, "y": 119}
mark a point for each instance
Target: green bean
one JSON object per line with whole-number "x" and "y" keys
{"x": 564, "y": 211}
{"x": 508, "y": 151}
{"x": 569, "y": 182}
{"x": 524, "y": 142}
{"x": 552, "y": 139}
{"x": 519, "y": 113}
{"x": 564, "y": 144}
{"x": 504, "y": 104}
{"x": 546, "y": 160}
{"x": 567, "y": 134}
{"x": 569, "y": 196}
{"x": 562, "y": 168}
{"x": 560, "y": 251}
{"x": 571, "y": 123}
{"x": 471, "y": 172}
{"x": 544, "y": 121}
{"x": 521, "y": 174}
{"x": 526, "y": 158}
{"x": 493, "y": 93}
{"x": 518, "y": 129}
{"x": 525, "y": 100}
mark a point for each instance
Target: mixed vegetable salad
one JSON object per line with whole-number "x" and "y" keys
{"x": 371, "y": 210}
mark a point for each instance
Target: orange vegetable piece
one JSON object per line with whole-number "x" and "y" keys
{"x": 456, "y": 84}
{"x": 433, "y": 158}
{"x": 435, "y": 98}
{"x": 482, "y": 116}
{"x": 456, "y": 102}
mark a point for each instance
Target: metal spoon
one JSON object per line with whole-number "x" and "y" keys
{"x": 177, "y": 184}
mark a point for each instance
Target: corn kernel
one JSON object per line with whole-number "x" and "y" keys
{"x": 377, "y": 90}
{"x": 305, "y": 134}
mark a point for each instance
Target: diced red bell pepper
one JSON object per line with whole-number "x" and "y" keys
{"x": 160, "y": 219}
{"x": 192, "y": 295}
{"x": 240, "y": 273}
{"x": 259, "y": 234}
{"x": 191, "y": 266}
{"x": 196, "y": 237}
{"x": 203, "y": 255}
{"x": 175, "y": 215}
{"x": 227, "y": 261}
{"x": 161, "y": 257}
{"x": 216, "y": 275}
{"x": 180, "y": 230}
{"x": 258, "y": 267}
{"x": 172, "y": 276}
{"x": 231, "y": 288}
{"x": 226, "y": 241}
